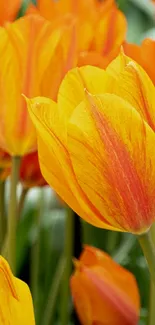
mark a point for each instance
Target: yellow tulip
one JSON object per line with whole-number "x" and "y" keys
{"x": 26, "y": 49}
{"x": 96, "y": 150}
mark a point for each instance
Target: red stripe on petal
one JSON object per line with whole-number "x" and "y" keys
{"x": 129, "y": 196}
{"x": 118, "y": 300}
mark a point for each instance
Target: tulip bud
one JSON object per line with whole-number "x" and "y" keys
{"x": 104, "y": 292}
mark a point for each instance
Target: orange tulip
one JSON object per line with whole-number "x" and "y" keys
{"x": 26, "y": 49}
{"x": 104, "y": 292}
{"x": 9, "y": 10}
{"x": 143, "y": 54}
{"x": 15, "y": 299}
{"x": 101, "y": 27}
{"x": 30, "y": 174}
{"x": 103, "y": 163}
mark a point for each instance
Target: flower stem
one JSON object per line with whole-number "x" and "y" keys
{"x": 35, "y": 255}
{"x": 68, "y": 251}
{"x": 12, "y": 213}
{"x": 2, "y": 213}
{"x": 22, "y": 200}
{"x": 148, "y": 249}
{"x": 151, "y": 320}
{"x": 53, "y": 293}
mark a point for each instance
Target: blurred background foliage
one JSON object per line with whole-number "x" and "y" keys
{"x": 41, "y": 230}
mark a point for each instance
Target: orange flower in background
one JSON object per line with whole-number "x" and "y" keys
{"x": 5, "y": 159}
{"x": 9, "y": 10}
{"x": 26, "y": 49}
{"x": 16, "y": 306}
{"x": 5, "y": 165}
{"x": 103, "y": 291}
{"x": 4, "y": 173}
{"x": 143, "y": 54}
{"x": 103, "y": 163}
{"x": 30, "y": 174}
{"x": 101, "y": 27}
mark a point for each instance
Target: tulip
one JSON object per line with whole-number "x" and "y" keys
{"x": 26, "y": 48}
{"x": 103, "y": 291}
{"x": 26, "y": 51}
{"x": 16, "y": 306}
{"x": 30, "y": 174}
{"x": 94, "y": 163}
{"x": 141, "y": 53}
{"x": 101, "y": 27}
{"x": 9, "y": 10}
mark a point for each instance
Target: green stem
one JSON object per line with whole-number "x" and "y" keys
{"x": 2, "y": 214}
{"x": 151, "y": 320}
{"x": 35, "y": 255}
{"x": 53, "y": 293}
{"x": 12, "y": 213}
{"x": 124, "y": 248}
{"x": 147, "y": 246}
{"x": 22, "y": 200}
{"x": 68, "y": 251}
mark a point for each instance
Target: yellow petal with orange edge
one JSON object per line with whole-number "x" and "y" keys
{"x": 63, "y": 59}
{"x": 55, "y": 162}
{"x": 23, "y": 48}
{"x": 72, "y": 89}
{"x": 135, "y": 86}
{"x": 118, "y": 65}
{"x": 16, "y": 306}
{"x": 141, "y": 53}
{"x": 110, "y": 32}
{"x": 112, "y": 153}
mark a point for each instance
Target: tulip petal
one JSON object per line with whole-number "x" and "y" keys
{"x": 15, "y": 299}
{"x": 114, "y": 164}
{"x": 134, "y": 85}
{"x": 110, "y": 32}
{"x": 118, "y": 65}
{"x": 72, "y": 89}
{"x": 25, "y": 55}
{"x": 92, "y": 58}
{"x": 92, "y": 256}
{"x": 103, "y": 291}
{"x": 113, "y": 295}
{"x": 9, "y": 10}
{"x": 141, "y": 53}
{"x": 55, "y": 162}
{"x": 81, "y": 301}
